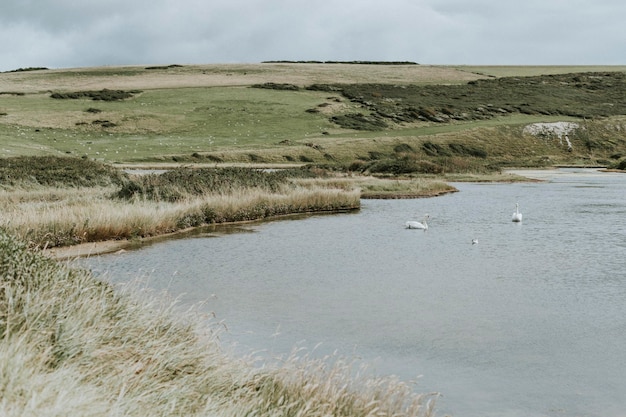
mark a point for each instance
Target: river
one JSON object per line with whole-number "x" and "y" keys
{"x": 530, "y": 321}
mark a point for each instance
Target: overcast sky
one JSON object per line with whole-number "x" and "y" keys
{"x": 79, "y": 33}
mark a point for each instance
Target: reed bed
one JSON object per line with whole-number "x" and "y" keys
{"x": 384, "y": 187}
{"x": 73, "y": 345}
{"x": 90, "y": 215}
{"x": 60, "y": 201}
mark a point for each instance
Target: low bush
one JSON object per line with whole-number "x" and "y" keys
{"x": 392, "y": 166}
{"x": 403, "y": 148}
{"x": 57, "y": 171}
{"x": 621, "y": 165}
{"x": 103, "y": 95}
{"x": 277, "y": 86}
{"x": 434, "y": 149}
{"x": 466, "y": 150}
{"x": 358, "y": 121}
{"x": 181, "y": 183}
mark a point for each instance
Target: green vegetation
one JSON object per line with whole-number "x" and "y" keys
{"x": 338, "y": 132}
{"x": 51, "y": 202}
{"x": 73, "y": 345}
{"x": 28, "y": 69}
{"x": 180, "y": 183}
{"x": 50, "y": 171}
{"x": 60, "y": 201}
{"x": 281, "y": 114}
{"x": 580, "y": 95}
{"x": 347, "y": 62}
{"x": 104, "y": 95}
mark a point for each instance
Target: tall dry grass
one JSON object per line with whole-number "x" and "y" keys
{"x": 62, "y": 217}
{"x": 72, "y": 345}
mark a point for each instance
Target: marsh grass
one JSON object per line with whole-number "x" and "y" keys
{"x": 53, "y": 171}
{"x": 180, "y": 183}
{"x": 386, "y": 187}
{"x": 72, "y": 345}
{"x": 51, "y": 202}
{"x": 90, "y": 215}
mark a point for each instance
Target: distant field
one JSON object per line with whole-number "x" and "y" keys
{"x": 225, "y": 75}
{"x": 211, "y": 114}
{"x": 532, "y": 70}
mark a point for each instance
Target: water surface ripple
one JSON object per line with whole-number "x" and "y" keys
{"x": 531, "y": 321}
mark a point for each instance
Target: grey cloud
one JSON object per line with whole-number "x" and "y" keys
{"x": 68, "y": 33}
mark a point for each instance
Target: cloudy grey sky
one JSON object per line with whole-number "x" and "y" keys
{"x": 79, "y": 33}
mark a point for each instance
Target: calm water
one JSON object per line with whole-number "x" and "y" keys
{"x": 531, "y": 321}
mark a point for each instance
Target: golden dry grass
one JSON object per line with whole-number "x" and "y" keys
{"x": 62, "y": 217}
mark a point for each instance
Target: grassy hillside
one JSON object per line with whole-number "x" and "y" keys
{"x": 339, "y": 114}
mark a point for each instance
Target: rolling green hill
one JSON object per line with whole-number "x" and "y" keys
{"x": 368, "y": 117}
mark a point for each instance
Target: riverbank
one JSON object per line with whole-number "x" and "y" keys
{"x": 74, "y": 345}
{"x": 370, "y": 188}
{"x": 55, "y": 203}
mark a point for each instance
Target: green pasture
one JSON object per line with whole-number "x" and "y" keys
{"x": 231, "y": 124}
{"x": 236, "y": 123}
{"x": 160, "y": 123}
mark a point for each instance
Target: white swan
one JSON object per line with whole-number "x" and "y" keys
{"x": 517, "y": 216}
{"x": 412, "y": 224}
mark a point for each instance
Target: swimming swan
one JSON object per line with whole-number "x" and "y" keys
{"x": 517, "y": 216}
{"x": 412, "y": 224}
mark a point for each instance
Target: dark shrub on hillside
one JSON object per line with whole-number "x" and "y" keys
{"x": 181, "y": 183}
{"x": 159, "y": 67}
{"x": 374, "y": 156}
{"x": 465, "y": 150}
{"x": 391, "y": 166}
{"x": 57, "y": 171}
{"x": 428, "y": 167}
{"x": 434, "y": 149}
{"x": 403, "y": 148}
{"x": 583, "y": 95}
{"x": 104, "y": 123}
{"x": 29, "y": 69}
{"x": 358, "y": 121}
{"x": 277, "y": 86}
{"x": 104, "y": 95}
{"x": 397, "y": 167}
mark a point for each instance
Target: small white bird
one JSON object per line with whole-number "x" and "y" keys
{"x": 474, "y": 241}
{"x": 517, "y": 216}
{"x": 412, "y": 224}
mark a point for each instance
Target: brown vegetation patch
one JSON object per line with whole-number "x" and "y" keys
{"x": 580, "y": 95}
{"x": 103, "y": 95}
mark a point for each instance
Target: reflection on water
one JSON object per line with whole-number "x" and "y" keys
{"x": 531, "y": 321}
